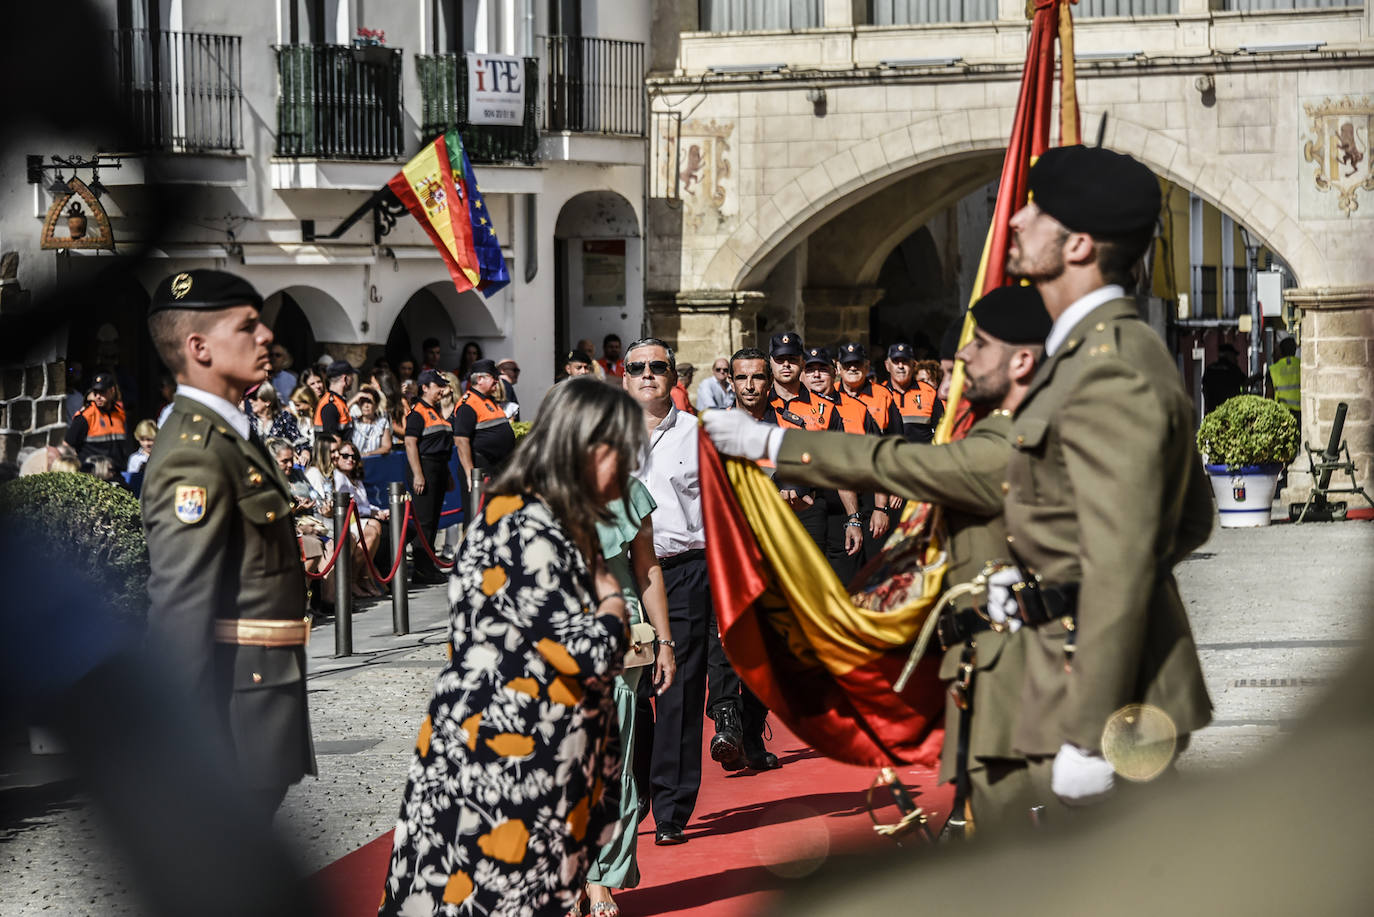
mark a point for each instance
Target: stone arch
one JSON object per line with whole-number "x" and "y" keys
{"x": 329, "y": 320}
{"x": 837, "y": 183}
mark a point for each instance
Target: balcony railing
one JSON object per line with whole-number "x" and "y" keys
{"x": 1249, "y": 6}
{"x": 594, "y": 85}
{"x": 180, "y": 91}
{"x": 339, "y": 102}
{"x": 444, "y": 101}
{"x": 917, "y": 12}
{"x": 1090, "y": 8}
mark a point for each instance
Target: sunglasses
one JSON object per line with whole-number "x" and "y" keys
{"x": 657, "y": 367}
{"x": 352, "y": 456}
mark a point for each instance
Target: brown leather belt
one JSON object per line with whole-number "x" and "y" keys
{"x": 250, "y": 632}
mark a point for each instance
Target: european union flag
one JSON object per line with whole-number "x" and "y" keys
{"x": 484, "y": 242}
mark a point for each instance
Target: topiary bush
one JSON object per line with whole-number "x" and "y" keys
{"x": 89, "y": 527}
{"x": 1248, "y": 430}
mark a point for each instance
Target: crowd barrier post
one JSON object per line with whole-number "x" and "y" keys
{"x": 474, "y": 498}
{"x": 400, "y": 600}
{"x": 343, "y": 581}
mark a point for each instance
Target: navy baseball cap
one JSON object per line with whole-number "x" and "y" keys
{"x": 852, "y": 352}
{"x": 102, "y": 382}
{"x": 432, "y": 377}
{"x": 900, "y": 352}
{"x": 785, "y": 344}
{"x": 340, "y": 368}
{"x": 482, "y": 367}
{"x": 817, "y": 355}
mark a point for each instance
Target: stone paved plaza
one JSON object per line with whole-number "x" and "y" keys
{"x": 1276, "y": 612}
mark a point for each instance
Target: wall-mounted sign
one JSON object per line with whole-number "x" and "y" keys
{"x": 496, "y": 89}
{"x": 76, "y": 220}
{"x": 603, "y": 272}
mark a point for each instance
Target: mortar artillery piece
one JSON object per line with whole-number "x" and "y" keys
{"x": 1323, "y": 464}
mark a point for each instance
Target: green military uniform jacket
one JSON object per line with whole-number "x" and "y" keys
{"x": 222, "y": 544}
{"x": 965, "y": 477}
{"x": 1106, "y": 490}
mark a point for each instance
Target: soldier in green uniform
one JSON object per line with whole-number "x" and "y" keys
{"x": 1105, "y": 489}
{"x": 965, "y": 477}
{"x": 227, "y": 588}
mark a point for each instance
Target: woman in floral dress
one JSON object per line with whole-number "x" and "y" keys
{"x": 505, "y": 800}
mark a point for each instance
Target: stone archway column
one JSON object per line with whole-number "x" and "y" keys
{"x": 354, "y": 353}
{"x": 836, "y": 314}
{"x": 1337, "y": 338}
{"x": 701, "y": 325}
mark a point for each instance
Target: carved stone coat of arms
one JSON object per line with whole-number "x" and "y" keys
{"x": 1337, "y": 139}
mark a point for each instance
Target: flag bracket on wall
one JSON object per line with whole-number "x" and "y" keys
{"x": 386, "y": 208}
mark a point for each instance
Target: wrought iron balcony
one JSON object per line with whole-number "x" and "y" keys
{"x": 339, "y": 102}
{"x": 594, "y": 85}
{"x": 180, "y": 91}
{"x": 444, "y": 100}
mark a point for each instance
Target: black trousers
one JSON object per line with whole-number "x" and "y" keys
{"x": 674, "y": 776}
{"x": 726, "y": 689}
{"x": 426, "y": 508}
{"x": 844, "y": 565}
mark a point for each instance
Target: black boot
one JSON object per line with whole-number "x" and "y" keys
{"x": 755, "y": 753}
{"x": 727, "y": 746}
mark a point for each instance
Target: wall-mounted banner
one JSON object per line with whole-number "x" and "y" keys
{"x": 496, "y": 89}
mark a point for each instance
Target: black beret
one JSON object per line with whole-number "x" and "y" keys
{"x": 1015, "y": 315}
{"x": 852, "y": 352}
{"x": 817, "y": 355}
{"x": 785, "y": 344}
{"x": 900, "y": 352}
{"x": 578, "y": 356}
{"x": 479, "y": 367}
{"x": 949, "y": 344}
{"x": 1093, "y": 190}
{"x": 340, "y": 368}
{"x": 203, "y": 290}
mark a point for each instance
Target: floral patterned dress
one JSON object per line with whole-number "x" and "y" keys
{"x": 503, "y": 805}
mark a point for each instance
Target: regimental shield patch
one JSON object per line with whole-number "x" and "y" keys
{"x": 190, "y": 504}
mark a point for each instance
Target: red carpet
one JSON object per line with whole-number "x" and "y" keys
{"x": 752, "y": 832}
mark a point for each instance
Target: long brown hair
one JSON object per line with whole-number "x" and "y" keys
{"x": 551, "y": 460}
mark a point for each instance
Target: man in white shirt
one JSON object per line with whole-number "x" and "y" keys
{"x": 670, "y": 471}
{"x": 715, "y": 390}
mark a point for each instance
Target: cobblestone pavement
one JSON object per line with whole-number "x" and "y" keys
{"x": 1276, "y": 612}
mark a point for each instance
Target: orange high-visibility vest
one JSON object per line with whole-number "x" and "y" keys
{"x": 437, "y": 437}
{"x": 345, "y": 419}
{"x": 102, "y": 426}
{"x": 813, "y": 411}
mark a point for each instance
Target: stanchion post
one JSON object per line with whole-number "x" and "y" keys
{"x": 474, "y": 497}
{"x": 343, "y": 581}
{"x": 400, "y": 600}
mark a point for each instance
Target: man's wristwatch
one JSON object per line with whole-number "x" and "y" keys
{"x": 668, "y": 643}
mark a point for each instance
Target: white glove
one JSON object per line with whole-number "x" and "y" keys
{"x": 1001, "y": 603}
{"x": 1080, "y": 778}
{"x": 736, "y": 433}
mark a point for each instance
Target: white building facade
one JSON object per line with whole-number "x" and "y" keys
{"x": 263, "y": 126}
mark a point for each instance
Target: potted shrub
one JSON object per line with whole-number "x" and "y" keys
{"x": 92, "y": 532}
{"x": 1246, "y": 443}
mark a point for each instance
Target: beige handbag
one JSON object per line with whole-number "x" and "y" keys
{"x": 643, "y": 645}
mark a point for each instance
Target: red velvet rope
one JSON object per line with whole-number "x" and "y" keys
{"x": 338, "y": 546}
{"x": 400, "y": 549}
{"x": 424, "y": 543}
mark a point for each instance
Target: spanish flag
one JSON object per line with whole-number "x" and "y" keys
{"x": 440, "y": 190}
{"x": 826, "y": 657}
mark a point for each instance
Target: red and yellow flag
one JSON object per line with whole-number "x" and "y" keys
{"x": 825, "y": 657}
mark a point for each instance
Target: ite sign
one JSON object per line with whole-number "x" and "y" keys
{"x": 496, "y": 89}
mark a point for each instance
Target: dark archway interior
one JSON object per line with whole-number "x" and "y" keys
{"x": 292, "y": 331}
{"x": 920, "y": 297}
